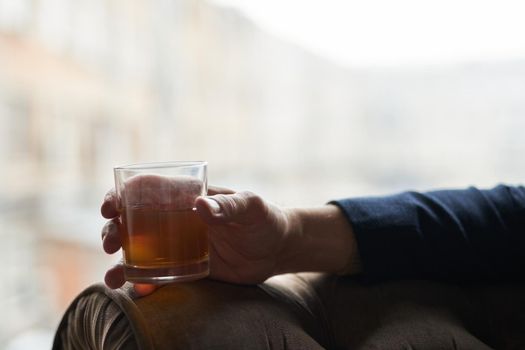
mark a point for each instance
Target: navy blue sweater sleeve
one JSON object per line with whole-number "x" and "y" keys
{"x": 452, "y": 235}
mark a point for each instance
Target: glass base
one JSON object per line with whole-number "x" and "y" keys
{"x": 162, "y": 275}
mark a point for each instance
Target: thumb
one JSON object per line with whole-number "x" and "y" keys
{"x": 242, "y": 207}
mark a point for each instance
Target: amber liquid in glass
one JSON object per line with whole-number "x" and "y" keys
{"x": 163, "y": 245}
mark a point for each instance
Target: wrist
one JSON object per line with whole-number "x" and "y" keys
{"x": 318, "y": 239}
{"x": 292, "y": 242}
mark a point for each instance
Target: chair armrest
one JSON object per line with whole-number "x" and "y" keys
{"x": 297, "y": 311}
{"x": 199, "y": 315}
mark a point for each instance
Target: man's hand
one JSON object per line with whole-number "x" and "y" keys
{"x": 247, "y": 237}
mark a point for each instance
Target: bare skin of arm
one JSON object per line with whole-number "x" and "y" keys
{"x": 252, "y": 239}
{"x": 320, "y": 239}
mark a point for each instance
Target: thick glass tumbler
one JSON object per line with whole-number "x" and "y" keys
{"x": 163, "y": 238}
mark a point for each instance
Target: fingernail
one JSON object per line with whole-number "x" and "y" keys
{"x": 214, "y": 206}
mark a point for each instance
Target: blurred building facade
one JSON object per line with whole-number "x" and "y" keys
{"x": 89, "y": 84}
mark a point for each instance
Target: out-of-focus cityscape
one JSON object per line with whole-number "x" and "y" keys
{"x": 89, "y": 84}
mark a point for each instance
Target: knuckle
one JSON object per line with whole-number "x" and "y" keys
{"x": 226, "y": 203}
{"x": 241, "y": 202}
{"x": 254, "y": 201}
{"x": 230, "y": 205}
{"x": 109, "y": 228}
{"x": 110, "y": 196}
{"x": 105, "y": 229}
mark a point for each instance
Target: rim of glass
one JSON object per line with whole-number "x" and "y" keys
{"x": 160, "y": 165}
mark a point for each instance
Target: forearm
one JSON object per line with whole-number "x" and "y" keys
{"x": 319, "y": 239}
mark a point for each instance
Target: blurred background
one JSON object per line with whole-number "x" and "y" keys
{"x": 300, "y": 101}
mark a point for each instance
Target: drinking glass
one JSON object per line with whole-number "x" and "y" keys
{"x": 163, "y": 238}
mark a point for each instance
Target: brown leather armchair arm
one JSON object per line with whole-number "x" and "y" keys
{"x": 297, "y": 311}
